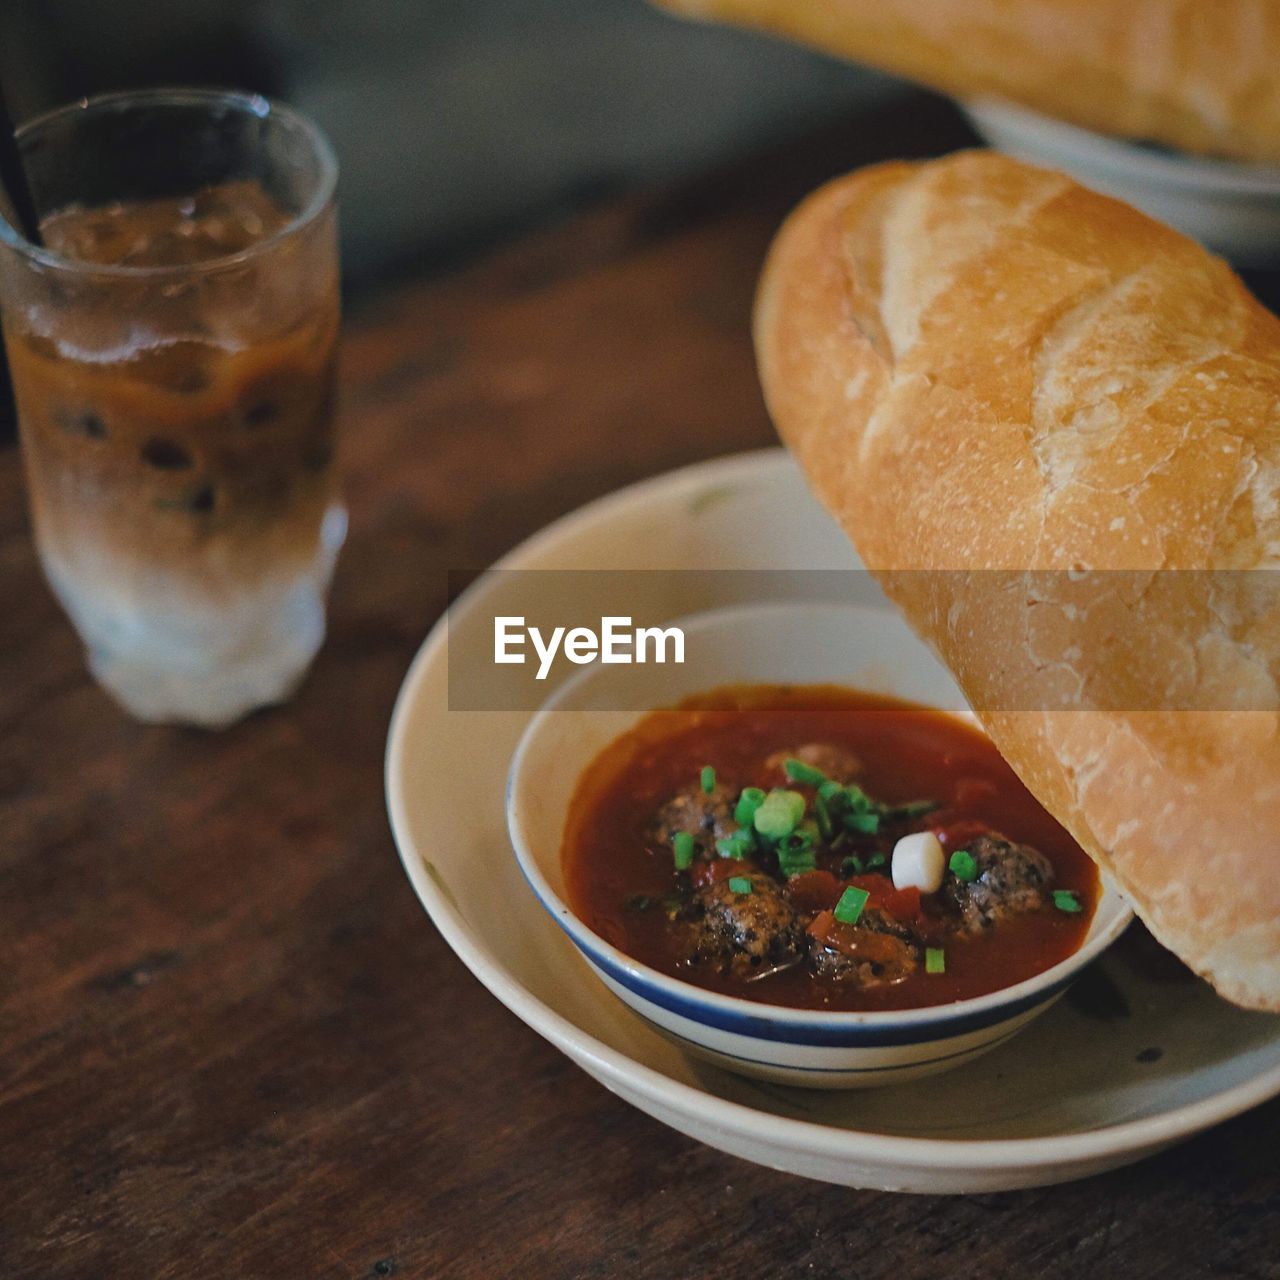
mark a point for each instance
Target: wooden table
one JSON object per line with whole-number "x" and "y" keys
{"x": 234, "y": 1046}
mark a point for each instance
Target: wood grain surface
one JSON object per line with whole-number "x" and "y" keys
{"x": 234, "y": 1046}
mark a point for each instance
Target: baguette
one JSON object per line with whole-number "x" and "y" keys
{"x": 1199, "y": 75}
{"x": 1021, "y": 400}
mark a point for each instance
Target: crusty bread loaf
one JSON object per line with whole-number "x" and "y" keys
{"x": 1200, "y": 75}
{"x": 999, "y": 381}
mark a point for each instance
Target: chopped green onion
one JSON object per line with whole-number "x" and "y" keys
{"x": 963, "y": 866}
{"x": 844, "y": 800}
{"x": 748, "y": 802}
{"x": 852, "y": 866}
{"x": 805, "y": 836}
{"x": 682, "y": 850}
{"x": 797, "y": 864}
{"x": 805, "y": 774}
{"x": 641, "y": 902}
{"x": 708, "y": 779}
{"x": 739, "y": 884}
{"x": 797, "y": 842}
{"x": 875, "y": 860}
{"x": 739, "y": 845}
{"x": 1066, "y": 900}
{"x": 865, "y": 824}
{"x": 780, "y": 814}
{"x": 825, "y": 826}
{"x": 935, "y": 960}
{"x": 794, "y": 802}
{"x": 858, "y": 799}
{"x": 912, "y": 809}
{"x": 795, "y": 853}
{"x": 849, "y": 908}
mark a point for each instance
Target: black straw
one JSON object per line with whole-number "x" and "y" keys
{"x": 13, "y": 177}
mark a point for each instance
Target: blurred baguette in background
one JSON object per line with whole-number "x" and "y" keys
{"x": 1198, "y": 75}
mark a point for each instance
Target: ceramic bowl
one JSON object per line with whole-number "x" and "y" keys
{"x": 864, "y": 647}
{"x": 1233, "y": 209}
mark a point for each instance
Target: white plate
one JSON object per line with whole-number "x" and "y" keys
{"x": 1080, "y": 1091}
{"x": 1233, "y": 209}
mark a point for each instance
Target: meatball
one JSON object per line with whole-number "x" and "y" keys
{"x": 839, "y": 764}
{"x": 1012, "y": 879}
{"x": 745, "y": 933}
{"x": 704, "y": 815}
{"x": 875, "y": 952}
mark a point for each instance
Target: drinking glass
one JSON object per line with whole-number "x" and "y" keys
{"x": 172, "y": 349}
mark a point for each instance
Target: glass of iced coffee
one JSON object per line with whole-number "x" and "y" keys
{"x": 172, "y": 350}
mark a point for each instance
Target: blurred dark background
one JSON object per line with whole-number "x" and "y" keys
{"x": 456, "y": 122}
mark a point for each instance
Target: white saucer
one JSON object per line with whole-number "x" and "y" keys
{"x": 1139, "y": 1056}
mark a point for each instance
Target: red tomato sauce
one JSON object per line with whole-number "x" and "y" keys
{"x": 906, "y": 752}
